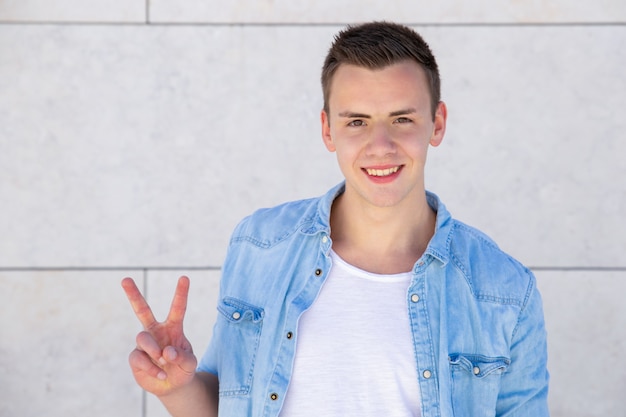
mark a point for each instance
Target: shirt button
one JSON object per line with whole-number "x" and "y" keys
{"x": 274, "y": 396}
{"x": 289, "y": 335}
{"x": 476, "y": 370}
{"x": 325, "y": 239}
{"x": 318, "y": 272}
{"x": 415, "y": 298}
{"x": 427, "y": 374}
{"x": 236, "y": 315}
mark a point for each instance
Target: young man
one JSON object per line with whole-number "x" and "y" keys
{"x": 371, "y": 300}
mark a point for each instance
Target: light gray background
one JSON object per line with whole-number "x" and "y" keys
{"x": 135, "y": 134}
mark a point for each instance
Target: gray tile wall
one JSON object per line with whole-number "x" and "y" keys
{"x": 135, "y": 134}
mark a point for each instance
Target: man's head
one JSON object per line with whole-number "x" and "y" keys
{"x": 377, "y": 45}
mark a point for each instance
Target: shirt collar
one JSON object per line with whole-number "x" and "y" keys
{"x": 439, "y": 245}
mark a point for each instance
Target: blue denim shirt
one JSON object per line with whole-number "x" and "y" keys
{"x": 475, "y": 314}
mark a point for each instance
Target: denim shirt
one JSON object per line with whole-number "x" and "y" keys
{"x": 475, "y": 315}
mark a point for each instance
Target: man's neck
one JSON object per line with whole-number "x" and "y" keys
{"x": 383, "y": 240}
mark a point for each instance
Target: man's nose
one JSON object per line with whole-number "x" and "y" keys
{"x": 380, "y": 141}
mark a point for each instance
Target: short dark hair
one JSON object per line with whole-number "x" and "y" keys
{"x": 376, "y": 45}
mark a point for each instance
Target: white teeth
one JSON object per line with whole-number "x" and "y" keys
{"x": 382, "y": 172}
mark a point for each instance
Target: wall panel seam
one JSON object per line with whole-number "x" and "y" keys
{"x": 106, "y": 268}
{"x": 149, "y": 22}
{"x": 146, "y": 269}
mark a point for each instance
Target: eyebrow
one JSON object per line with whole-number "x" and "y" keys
{"x": 350, "y": 114}
{"x": 410, "y": 110}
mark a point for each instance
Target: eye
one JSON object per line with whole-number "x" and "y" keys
{"x": 356, "y": 123}
{"x": 403, "y": 120}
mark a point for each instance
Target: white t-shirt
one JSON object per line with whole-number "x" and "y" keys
{"x": 355, "y": 354}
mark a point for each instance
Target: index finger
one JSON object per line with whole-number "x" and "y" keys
{"x": 138, "y": 302}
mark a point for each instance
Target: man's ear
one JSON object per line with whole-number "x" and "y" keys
{"x": 441, "y": 116}
{"x": 326, "y": 136}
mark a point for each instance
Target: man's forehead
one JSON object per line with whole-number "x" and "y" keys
{"x": 358, "y": 91}
{"x": 350, "y": 76}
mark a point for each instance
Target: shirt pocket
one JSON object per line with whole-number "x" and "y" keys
{"x": 475, "y": 383}
{"x": 239, "y": 336}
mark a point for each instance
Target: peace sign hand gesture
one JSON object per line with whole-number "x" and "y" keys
{"x": 163, "y": 360}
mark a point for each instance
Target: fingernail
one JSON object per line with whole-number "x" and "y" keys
{"x": 162, "y": 361}
{"x": 162, "y": 376}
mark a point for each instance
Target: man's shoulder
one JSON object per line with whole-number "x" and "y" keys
{"x": 266, "y": 227}
{"x": 465, "y": 237}
{"x": 487, "y": 268}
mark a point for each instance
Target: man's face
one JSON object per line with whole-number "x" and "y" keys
{"x": 380, "y": 125}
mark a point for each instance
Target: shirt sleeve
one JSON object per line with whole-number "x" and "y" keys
{"x": 524, "y": 386}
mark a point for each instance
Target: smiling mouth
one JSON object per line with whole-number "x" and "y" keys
{"x": 381, "y": 172}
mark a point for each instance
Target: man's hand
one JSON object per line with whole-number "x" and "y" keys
{"x": 163, "y": 360}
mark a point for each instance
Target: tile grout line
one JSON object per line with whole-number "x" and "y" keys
{"x": 107, "y": 268}
{"x": 145, "y": 269}
{"x": 144, "y": 394}
{"x": 147, "y": 21}
{"x": 579, "y": 268}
